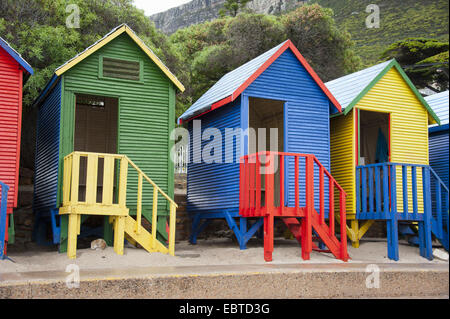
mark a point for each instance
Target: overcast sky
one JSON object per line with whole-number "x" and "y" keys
{"x": 154, "y": 6}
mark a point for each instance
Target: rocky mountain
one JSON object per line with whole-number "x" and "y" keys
{"x": 198, "y": 11}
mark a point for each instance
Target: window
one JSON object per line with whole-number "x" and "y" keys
{"x": 120, "y": 69}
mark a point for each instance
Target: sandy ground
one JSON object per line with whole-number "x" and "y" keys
{"x": 205, "y": 253}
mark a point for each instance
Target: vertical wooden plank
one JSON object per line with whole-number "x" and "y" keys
{"x": 251, "y": 186}
{"x": 123, "y": 175}
{"x": 439, "y": 210}
{"x": 154, "y": 217}
{"x": 414, "y": 191}
{"x": 343, "y": 223}
{"x": 258, "y": 186}
{"x": 322, "y": 196}
{"x": 91, "y": 179}
{"x": 282, "y": 184}
{"x": 377, "y": 189}
{"x": 75, "y": 178}
{"x": 405, "y": 190}
{"x": 297, "y": 195}
{"x": 119, "y": 234}
{"x": 370, "y": 189}
{"x": 241, "y": 186}
{"x": 426, "y": 250}
{"x": 358, "y": 190}
{"x": 139, "y": 205}
{"x": 108, "y": 181}
{"x": 385, "y": 191}
{"x": 307, "y": 222}
{"x": 331, "y": 199}
{"x": 364, "y": 190}
{"x": 172, "y": 229}
{"x": 72, "y": 236}
{"x": 268, "y": 237}
{"x": 269, "y": 185}
{"x": 393, "y": 190}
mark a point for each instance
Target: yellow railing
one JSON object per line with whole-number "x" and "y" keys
{"x": 108, "y": 205}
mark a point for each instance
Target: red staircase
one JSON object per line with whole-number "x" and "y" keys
{"x": 260, "y": 196}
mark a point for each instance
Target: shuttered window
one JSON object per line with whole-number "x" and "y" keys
{"x": 121, "y": 69}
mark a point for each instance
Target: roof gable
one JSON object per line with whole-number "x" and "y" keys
{"x": 107, "y": 39}
{"x": 350, "y": 89}
{"x": 16, "y": 56}
{"x": 232, "y": 84}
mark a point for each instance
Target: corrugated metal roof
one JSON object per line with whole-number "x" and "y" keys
{"x": 229, "y": 83}
{"x": 233, "y": 83}
{"x": 439, "y": 103}
{"x": 347, "y": 88}
{"x": 16, "y": 56}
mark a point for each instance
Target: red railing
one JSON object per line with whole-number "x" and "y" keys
{"x": 262, "y": 196}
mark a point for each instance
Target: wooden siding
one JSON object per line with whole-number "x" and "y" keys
{"x": 146, "y": 114}
{"x": 306, "y": 116}
{"x": 343, "y": 156}
{"x": 215, "y": 187}
{"x": 408, "y": 127}
{"x": 439, "y": 154}
{"x": 10, "y": 124}
{"x": 47, "y": 152}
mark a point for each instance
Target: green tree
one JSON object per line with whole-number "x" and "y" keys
{"x": 232, "y": 7}
{"x": 425, "y": 61}
{"x": 328, "y": 48}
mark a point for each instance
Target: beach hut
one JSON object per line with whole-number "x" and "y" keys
{"x": 438, "y": 144}
{"x": 439, "y": 147}
{"x": 379, "y": 152}
{"x": 282, "y": 99}
{"x": 103, "y": 144}
{"x": 14, "y": 72}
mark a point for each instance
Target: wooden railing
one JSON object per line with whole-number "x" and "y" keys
{"x": 3, "y": 218}
{"x": 113, "y": 201}
{"x": 261, "y": 196}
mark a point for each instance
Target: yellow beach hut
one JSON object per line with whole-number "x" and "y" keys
{"x": 379, "y": 150}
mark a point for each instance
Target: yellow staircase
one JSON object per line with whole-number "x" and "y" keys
{"x": 116, "y": 209}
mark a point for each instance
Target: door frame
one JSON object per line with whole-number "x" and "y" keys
{"x": 358, "y": 134}
{"x": 245, "y": 124}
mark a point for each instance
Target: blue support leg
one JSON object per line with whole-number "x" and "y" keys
{"x": 237, "y": 232}
{"x": 194, "y": 229}
{"x": 392, "y": 236}
{"x": 426, "y": 247}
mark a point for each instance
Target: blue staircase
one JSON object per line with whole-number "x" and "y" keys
{"x": 376, "y": 199}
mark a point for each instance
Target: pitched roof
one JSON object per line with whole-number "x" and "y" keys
{"x": 231, "y": 85}
{"x": 114, "y": 33}
{"x": 351, "y": 88}
{"x": 16, "y": 56}
{"x": 108, "y": 38}
{"x": 439, "y": 103}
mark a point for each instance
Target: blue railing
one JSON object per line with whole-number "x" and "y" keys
{"x": 377, "y": 196}
{"x": 3, "y": 218}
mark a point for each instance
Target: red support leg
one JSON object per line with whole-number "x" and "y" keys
{"x": 268, "y": 238}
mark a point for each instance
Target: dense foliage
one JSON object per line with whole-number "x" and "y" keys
{"x": 425, "y": 61}
{"x": 37, "y": 29}
{"x": 211, "y": 49}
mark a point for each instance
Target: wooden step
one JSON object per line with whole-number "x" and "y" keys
{"x": 144, "y": 238}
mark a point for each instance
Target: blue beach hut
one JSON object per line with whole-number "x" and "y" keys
{"x": 277, "y": 89}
